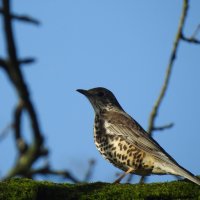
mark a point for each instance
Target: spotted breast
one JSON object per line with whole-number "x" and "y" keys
{"x": 118, "y": 151}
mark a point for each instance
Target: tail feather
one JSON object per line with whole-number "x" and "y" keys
{"x": 186, "y": 174}
{"x": 172, "y": 167}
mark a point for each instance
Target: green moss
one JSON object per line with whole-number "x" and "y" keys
{"x": 26, "y": 189}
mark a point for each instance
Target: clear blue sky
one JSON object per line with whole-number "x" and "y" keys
{"x": 121, "y": 45}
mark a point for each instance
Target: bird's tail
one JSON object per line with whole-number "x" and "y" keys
{"x": 180, "y": 171}
{"x": 172, "y": 167}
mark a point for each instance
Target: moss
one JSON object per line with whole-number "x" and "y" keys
{"x": 26, "y": 189}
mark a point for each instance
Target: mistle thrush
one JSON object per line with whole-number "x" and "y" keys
{"x": 123, "y": 142}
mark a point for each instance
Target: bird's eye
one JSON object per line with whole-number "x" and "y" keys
{"x": 100, "y": 94}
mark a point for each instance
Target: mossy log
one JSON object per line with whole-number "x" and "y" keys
{"x": 27, "y": 189}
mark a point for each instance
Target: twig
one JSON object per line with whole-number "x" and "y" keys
{"x": 196, "y": 31}
{"x": 23, "y": 18}
{"x": 26, "y": 61}
{"x": 177, "y": 40}
{"x": 5, "y": 131}
{"x": 90, "y": 171}
{"x": 162, "y": 128}
{"x": 4, "y": 63}
{"x": 130, "y": 178}
{"x": 192, "y": 39}
{"x": 47, "y": 171}
{"x": 165, "y": 85}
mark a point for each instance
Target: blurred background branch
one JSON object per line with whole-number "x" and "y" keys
{"x": 5, "y": 131}
{"x": 173, "y": 55}
{"x": 22, "y": 18}
{"x": 28, "y": 153}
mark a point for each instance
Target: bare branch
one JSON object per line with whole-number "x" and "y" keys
{"x": 177, "y": 40}
{"x": 15, "y": 73}
{"x": 162, "y": 128}
{"x": 90, "y": 171}
{"x": 28, "y": 153}
{"x": 168, "y": 74}
{"x": 27, "y": 61}
{"x": 197, "y": 30}
{"x": 130, "y": 178}
{"x": 193, "y": 39}
{"x": 22, "y": 18}
{"x": 46, "y": 170}
{"x": 5, "y": 131}
{"x": 190, "y": 40}
{"x": 35, "y": 150}
{"x": 3, "y": 63}
{"x": 25, "y": 18}
{"x": 20, "y": 143}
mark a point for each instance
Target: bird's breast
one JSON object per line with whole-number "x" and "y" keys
{"x": 115, "y": 149}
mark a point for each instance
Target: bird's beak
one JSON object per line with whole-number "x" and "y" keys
{"x": 84, "y": 92}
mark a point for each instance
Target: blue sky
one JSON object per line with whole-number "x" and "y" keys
{"x": 121, "y": 45}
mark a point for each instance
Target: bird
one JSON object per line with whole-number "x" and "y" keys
{"x": 123, "y": 142}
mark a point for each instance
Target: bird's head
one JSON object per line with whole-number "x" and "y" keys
{"x": 101, "y": 99}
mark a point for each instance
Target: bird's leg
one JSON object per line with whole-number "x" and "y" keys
{"x": 123, "y": 175}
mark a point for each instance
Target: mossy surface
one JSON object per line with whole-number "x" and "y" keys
{"x": 26, "y": 189}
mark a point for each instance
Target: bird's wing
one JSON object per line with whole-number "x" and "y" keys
{"x": 123, "y": 125}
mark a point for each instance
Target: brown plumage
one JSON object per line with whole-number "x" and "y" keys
{"x": 123, "y": 142}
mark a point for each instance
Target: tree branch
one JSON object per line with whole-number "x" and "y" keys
{"x": 3, "y": 63}
{"x": 90, "y": 170}
{"x": 23, "y": 18}
{"x": 5, "y": 131}
{"x": 36, "y": 149}
{"x": 26, "y": 61}
{"x": 47, "y": 171}
{"x": 177, "y": 40}
{"x": 20, "y": 143}
{"x": 192, "y": 39}
{"x": 168, "y": 74}
{"x": 196, "y": 31}
{"x": 15, "y": 72}
{"x": 27, "y": 154}
{"x": 162, "y": 128}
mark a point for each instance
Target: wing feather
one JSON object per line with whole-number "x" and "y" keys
{"x": 123, "y": 125}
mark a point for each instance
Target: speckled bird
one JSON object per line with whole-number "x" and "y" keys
{"x": 123, "y": 142}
